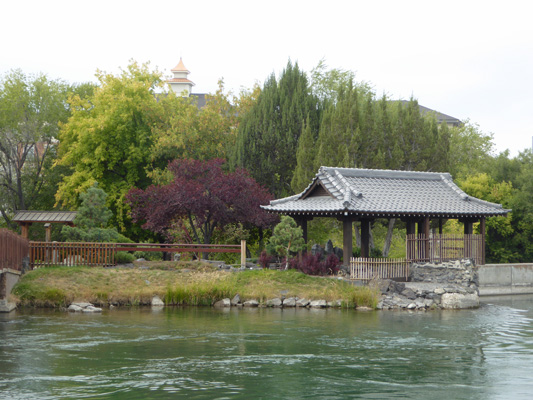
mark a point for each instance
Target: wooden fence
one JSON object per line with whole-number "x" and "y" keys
{"x": 436, "y": 248}
{"x": 383, "y": 268}
{"x": 439, "y": 248}
{"x": 44, "y": 254}
{"x": 13, "y": 248}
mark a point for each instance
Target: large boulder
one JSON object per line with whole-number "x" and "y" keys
{"x": 458, "y": 300}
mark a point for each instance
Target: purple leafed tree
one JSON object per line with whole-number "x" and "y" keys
{"x": 205, "y": 196}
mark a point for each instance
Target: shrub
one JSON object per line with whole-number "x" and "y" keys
{"x": 123, "y": 257}
{"x": 149, "y": 255}
{"x": 265, "y": 259}
{"x": 332, "y": 264}
{"x": 312, "y": 265}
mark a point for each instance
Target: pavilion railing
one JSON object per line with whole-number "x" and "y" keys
{"x": 419, "y": 248}
{"x": 439, "y": 248}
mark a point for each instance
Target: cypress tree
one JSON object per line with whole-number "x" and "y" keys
{"x": 305, "y": 158}
{"x": 267, "y": 139}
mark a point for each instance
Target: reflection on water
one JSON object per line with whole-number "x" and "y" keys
{"x": 203, "y": 353}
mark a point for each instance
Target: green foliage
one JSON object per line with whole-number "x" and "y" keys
{"x": 470, "y": 150}
{"x": 286, "y": 238}
{"x": 357, "y": 130}
{"x": 109, "y": 136}
{"x": 93, "y": 212}
{"x": 200, "y": 134}
{"x": 149, "y": 255}
{"x": 123, "y": 257}
{"x": 305, "y": 159}
{"x": 91, "y": 220}
{"x": 326, "y": 84}
{"x": 31, "y": 109}
{"x": 268, "y": 134}
{"x": 508, "y": 182}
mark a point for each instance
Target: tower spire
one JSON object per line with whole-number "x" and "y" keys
{"x": 180, "y": 83}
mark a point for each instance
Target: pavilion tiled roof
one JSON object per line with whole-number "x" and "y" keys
{"x": 45, "y": 216}
{"x": 384, "y": 193}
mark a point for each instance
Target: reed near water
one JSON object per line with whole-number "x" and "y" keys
{"x": 180, "y": 283}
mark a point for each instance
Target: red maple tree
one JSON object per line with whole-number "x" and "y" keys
{"x": 205, "y": 196}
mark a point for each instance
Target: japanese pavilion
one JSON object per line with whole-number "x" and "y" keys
{"x": 26, "y": 218}
{"x": 351, "y": 194}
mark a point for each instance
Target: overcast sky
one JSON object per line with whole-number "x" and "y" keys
{"x": 468, "y": 59}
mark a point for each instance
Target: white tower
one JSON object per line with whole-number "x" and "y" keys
{"x": 180, "y": 84}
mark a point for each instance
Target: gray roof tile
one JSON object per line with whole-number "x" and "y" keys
{"x": 385, "y": 193}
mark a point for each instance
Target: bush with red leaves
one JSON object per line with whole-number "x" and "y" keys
{"x": 312, "y": 265}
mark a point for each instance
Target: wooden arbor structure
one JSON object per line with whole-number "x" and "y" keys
{"x": 351, "y": 194}
{"x": 26, "y": 218}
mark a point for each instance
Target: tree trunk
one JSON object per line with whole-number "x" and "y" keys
{"x": 388, "y": 238}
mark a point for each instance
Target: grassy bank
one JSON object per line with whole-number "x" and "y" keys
{"x": 176, "y": 284}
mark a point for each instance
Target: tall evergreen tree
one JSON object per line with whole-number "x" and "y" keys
{"x": 305, "y": 159}
{"x": 268, "y": 135}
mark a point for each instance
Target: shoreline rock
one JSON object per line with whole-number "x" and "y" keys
{"x": 84, "y": 308}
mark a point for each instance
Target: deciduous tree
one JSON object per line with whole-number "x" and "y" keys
{"x": 109, "y": 137}
{"x": 200, "y": 198}
{"x": 31, "y": 109}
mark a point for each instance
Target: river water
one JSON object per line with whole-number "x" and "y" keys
{"x": 205, "y": 353}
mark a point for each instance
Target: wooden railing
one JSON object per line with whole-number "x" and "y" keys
{"x": 44, "y": 254}
{"x": 436, "y": 248}
{"x": 383, "y": 268}
{"x": 439, "y": 248}
{"x": 13, "y": 249}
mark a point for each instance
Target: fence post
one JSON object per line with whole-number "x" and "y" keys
{"x": 243, "y": 253}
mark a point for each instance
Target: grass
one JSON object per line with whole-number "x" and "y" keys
{"x": 178, "y": 284}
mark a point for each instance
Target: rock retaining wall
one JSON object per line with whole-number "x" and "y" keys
{"x": 448, "y": 285}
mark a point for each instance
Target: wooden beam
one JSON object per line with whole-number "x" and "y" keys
{"x": 426, "y": 237}
{"x": 482, "y": 230}
{"x": 365, "y": 238}
{"x": 410, "y": 226}
{"x": 302, "y": 223}
{"x": 25, "y": 226}
{"x": 48, "y": 232}
{"x": 347, "y": 240}
{"x": 469, "y": 227}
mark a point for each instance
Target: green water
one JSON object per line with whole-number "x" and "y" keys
{"x": 203, "y": 353}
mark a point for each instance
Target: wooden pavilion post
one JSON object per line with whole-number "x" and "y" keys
{"x": 427, "y": 255}
{"x": 347, "y": 240}
{"x": 302, "y": 223}
{"x": 24, "y": 228}
{"x": 410, "y": 229}
{"x": 365, "y": 238}
{"x": 48, "y": 232}
{"x": 468, "y": 230}
{"x": 482, "y": 230}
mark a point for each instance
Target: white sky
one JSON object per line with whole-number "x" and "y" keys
{"x": 468, "y": 59}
